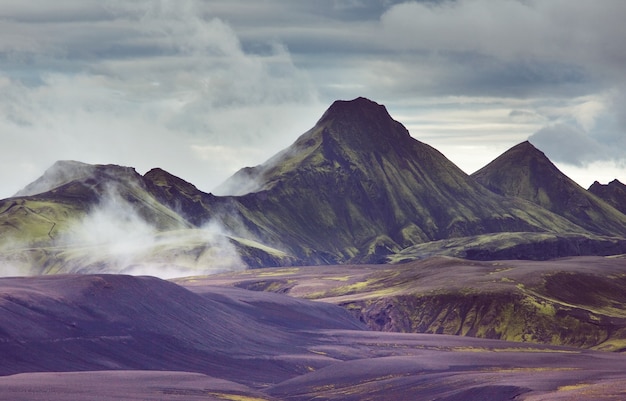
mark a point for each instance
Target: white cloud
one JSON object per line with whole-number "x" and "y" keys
{"x": 513, "y": 29}
{"x": 113, "y": 237}
{"x": 584, "y": 132}
{"x": 146, "y": 85}
{"x": 161, "y": 83}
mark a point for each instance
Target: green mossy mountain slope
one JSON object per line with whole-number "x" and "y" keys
{"x": 69, "y": 191}
{"x": 614, "y": 193}
{"x": 525, "y": 172}
{"x": 95, "y": 218}
{"x": 357, "y": 187}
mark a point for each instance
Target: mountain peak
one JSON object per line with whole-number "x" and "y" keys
{"x": 526, "y": 172}
{"x": 525, "y": 144}
{"x": 526, "y": 150}
{"x": 348, "y": 133}
{"x": 362, "y": 124}
{"x": 359, "y": 107}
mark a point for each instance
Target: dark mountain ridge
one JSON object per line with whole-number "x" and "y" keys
{"x": 354, "y": 188}
{"x": 180, "y": 195}
{"x": 359, "y": 176}
{"x": 614, "y": 193}
{"x": 525, "y": 172}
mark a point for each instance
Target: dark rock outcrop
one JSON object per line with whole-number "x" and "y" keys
{"x": 614, "y": 193}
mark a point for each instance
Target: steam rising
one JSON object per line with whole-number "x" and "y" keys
{"x": 124, "y": 242}
{"x": 113, "y": 237}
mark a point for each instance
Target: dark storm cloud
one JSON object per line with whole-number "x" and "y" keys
{"x": 539, "y": 43}
{"x": 462, "y": 48}
{"x": 568, "y": 144}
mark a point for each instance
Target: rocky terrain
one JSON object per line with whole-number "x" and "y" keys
{"x": 577, "y": 302}
{"x": 357, "y": 264}
{"x": 614, "y": 193}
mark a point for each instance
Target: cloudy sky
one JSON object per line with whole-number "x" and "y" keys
{"x": 202, "y": 88}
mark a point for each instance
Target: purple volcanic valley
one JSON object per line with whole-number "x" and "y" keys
{"x": 358, "y": 263}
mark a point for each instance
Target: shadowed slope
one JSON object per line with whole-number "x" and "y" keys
{"x": 75, "y": 323}
{"x": 357, "y": 186}
{"x": 178, "y": 194}
{"x": 525, "y": 172}
{"x": 521, "y": 246}
{"x": 614, "y": 193}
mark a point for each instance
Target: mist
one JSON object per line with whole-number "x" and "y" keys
{"x": 168, "y": 78}
{"x": 114, "y": 237}
{"x": 120, "y": 240}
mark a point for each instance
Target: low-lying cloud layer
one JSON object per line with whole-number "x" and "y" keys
{"x": 115, "y": 237}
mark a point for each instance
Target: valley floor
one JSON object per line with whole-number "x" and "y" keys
{"x": 105, "y": 337}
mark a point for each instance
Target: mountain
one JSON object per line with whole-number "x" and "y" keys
{"x": 525, "y": 172}
{"x": 354, "y": 188}
{"x": 614, "y": 193}
{"x": 60, "y": 173}
{"x": 357, "y": 187}
{"x": 84, "y": 185}
{"x": 46, "y": 209}
{"x": 94, "y": 218}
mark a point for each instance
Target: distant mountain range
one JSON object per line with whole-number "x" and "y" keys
{"x": 355, "y": 188}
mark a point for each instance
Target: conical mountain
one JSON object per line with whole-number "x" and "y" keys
{"x": 525, "y": 172}
{"x": 357, "y": 186}
{"x": 614, "y": 193}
